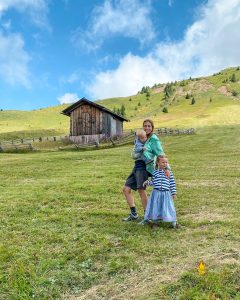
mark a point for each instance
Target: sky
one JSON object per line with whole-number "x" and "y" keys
{"x": 58, "y": 51}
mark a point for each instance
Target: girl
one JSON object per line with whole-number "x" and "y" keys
{"x": 160, "y": 205}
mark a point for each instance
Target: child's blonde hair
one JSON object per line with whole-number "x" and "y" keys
{"x": 158, "y": 158}
{"x": 140, "y": 133}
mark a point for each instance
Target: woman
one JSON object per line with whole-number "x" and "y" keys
{"x": 141, "y": 171}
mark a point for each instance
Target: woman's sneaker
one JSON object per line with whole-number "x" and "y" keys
{"x": 131, "y": 217}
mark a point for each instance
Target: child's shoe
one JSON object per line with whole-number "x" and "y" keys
{"x": 176, "y": 226}
{"x": 143, "y": 222}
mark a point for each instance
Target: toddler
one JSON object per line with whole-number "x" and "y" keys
{"x": 139, "y": 148}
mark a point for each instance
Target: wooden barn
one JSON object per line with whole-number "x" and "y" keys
{"x": 90, "y": 121}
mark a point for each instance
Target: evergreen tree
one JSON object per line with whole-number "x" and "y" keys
{"x": 122, "y": 110}
{"x": 193, "y": 101}
{"x": 165, "y": 110}
{"x": 233, "y": 78}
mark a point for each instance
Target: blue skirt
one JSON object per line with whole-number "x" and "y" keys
{"x": 160, "y": 206}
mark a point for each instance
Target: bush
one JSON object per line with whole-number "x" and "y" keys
{"x": 233, "y": 78}
{"x": 165, "y": 110}
{"x": 234, "y": 93}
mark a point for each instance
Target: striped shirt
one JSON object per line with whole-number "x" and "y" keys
{"x": 161, "y": 182}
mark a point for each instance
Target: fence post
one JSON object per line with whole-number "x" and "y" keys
{"x": 97, "y": 144}
{"x": 112, "y": 141}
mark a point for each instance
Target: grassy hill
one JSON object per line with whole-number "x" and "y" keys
{"x": 214, "y": 105}
{"x": 62, "y": 235}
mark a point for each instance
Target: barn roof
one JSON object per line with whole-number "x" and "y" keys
{"x": 67, "y": 111}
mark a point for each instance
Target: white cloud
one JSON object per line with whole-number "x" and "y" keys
{"x": 68, "y": 98}
{"x": 37, "y": 10}
{"x": 13, "y": 57}
{"x": 122, "y": 17}
{"x": 14, "y": 60}
{"x": 210, "y": 44}
{"x": 74, "y": 77}
{"x": 133, "y": 72}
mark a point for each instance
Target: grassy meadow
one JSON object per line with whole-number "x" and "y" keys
{"x": 62, "y": 236}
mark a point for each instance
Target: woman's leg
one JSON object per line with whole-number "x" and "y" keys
{"x": 130, "y": 200}
{"x": 128, "y": 195}
{"x": 143, "y": 196}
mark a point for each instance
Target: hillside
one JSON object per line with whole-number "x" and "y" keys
{"x": 216, "y": 97}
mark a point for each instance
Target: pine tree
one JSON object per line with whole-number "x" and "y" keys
{"x": 233, "y": 77}
{"x": 165, "y": 110}
{"x": 122, "y": 110}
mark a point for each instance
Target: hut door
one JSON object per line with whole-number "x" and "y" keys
{"x": 113, "y": 127}
{"x": 86, "y": 123}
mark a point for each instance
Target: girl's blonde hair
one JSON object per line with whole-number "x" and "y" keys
{"x": 158, "y": 158}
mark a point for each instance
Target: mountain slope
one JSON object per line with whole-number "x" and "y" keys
{"x": 213, "y": 97}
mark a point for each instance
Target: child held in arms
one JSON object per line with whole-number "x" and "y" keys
{"x": 139, "y": 148}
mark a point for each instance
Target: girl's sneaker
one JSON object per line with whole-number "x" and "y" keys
{"x": 143, "y": 222}
{"x": 176, "y": 226}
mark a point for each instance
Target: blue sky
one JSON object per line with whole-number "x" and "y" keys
{"x": 58, "y": 51}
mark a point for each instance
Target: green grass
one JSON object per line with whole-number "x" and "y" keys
{"x": 222, "y": 284}
{"x": 35, "y": 123}
{"x": 62, "y": 234}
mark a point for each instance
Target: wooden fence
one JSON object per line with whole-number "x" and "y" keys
{"x": 128, "y": 137}
{"x": 15, "y": 147}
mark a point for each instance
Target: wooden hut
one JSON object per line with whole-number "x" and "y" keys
{"x": 90, "y": 121}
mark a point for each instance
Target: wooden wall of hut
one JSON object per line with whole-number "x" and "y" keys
{"x": 89, "y": 120}
{"x": 86, "y": 120}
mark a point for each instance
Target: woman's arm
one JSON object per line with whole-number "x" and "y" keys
{"x": 173, "y": 185}
{"x": 157, "y": 149}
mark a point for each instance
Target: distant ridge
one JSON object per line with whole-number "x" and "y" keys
{"x": 193, "y": 102}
